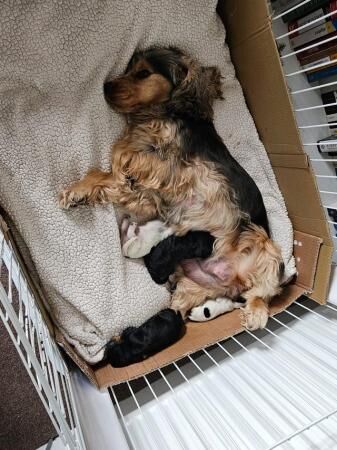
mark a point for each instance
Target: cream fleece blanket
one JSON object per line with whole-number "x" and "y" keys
{"x": 55, "y": 125}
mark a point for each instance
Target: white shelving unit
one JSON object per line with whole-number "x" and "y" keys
{"x": 311, "y": 119}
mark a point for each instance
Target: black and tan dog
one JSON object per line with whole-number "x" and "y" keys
{"x": 170, "y": 164}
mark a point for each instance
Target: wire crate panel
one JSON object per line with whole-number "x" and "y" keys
{"x": 39, "y": 353}
{"x": 275, "y": 388}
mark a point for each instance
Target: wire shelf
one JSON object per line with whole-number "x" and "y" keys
{"x": 39, "y": 353}
{"x": 261, "y": 390}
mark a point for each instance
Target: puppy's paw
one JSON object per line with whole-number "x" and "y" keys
{"x": 201, "y": 313}
{"x": 255, "y": 315}
{"x": 213, "y": 308}
{"x": 68, "y": 198}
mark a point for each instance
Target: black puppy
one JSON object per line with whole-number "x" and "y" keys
{"x": 166, "y": 327}
{"x": 136, "y": 344}
{"x": 163, "y": 259}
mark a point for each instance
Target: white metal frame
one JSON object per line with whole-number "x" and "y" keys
{"x": 309, "y": 110}
{"x": 261, "y": 390}
{"x": 37, "y": 349}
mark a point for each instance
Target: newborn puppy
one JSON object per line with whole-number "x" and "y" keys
{"x": 162, "y": 250}
{"x": 138, "y": 240}
{"x": 163, "y": 259}
{"x": 136, "y": 344}
{"x": 214, "y": 308}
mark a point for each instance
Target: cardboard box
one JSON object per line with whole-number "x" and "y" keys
{"x": 255, "y": 56}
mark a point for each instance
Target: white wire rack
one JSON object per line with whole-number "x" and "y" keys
{"x": 271, "y": 389}
{"x": 309, "y": 108}
{"x": 40, "y": 355}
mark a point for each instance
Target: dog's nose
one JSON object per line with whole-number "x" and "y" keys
{"x": 108, "y": 89}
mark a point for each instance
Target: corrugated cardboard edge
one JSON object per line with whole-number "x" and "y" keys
{"x": 70, "y": 351}
{"x": 306, "y": 253}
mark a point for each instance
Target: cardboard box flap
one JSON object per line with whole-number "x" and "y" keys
{"x": 303, "y": 201}
{"x": 69, "y": 349}
{"x": 306, "y": 251}
{"x": 256, "y": 60}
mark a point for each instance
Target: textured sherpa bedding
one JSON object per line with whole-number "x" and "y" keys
{"x": 55, "y": 125}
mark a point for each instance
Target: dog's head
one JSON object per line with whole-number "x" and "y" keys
{"x": 162, "y": 75}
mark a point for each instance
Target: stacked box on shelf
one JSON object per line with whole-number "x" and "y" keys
{"x": 313, "y": 27}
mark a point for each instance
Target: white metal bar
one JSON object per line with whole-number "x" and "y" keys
{"x": 322, "y": 142}
{"x": 128, "y": 435}
{"x": 196, "y": 429}
{"x": 295, "y": 391}
{"x": 62, "y": 431}
{"x": 323, "y": 160}
{"x": 290, "y": 9}
{"x": 301, "y": 389}
{"x": 189, "y": 419}
{"x": 309, "y": 108}
{"x": 258, "y": 439}
{"x": 158, "y": 444}
{"x": 211, "y": 423}
{"x": 331, "y": 307}
{"x": 306, "y": 25}
{"x": 167, "y": 419}
{"x": 313, "y": 343}
{"x": 317, "y": 313}
{"x": 28, "y": 326}
{"x": 10, "y": 270}
{"x": 310, "y": 425}
{"x": 303, "y": 370}
{"x": 294, "y": 369}
{"x": 326, "y": 176}
{"x": 272, "y": 390}
{"x": 2, "y": 240}
{"x": 304, "y": 49}
{"x": 313, "y": 88}
{"x": 328, "y": 192}
{"x": 319, "y": 125}
{"x": 307, "y": 69}
{"x": 257, "y": 408}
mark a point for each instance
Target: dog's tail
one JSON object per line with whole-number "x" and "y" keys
{"x": 138, "y": 343}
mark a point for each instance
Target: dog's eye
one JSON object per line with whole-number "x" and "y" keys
{"x": 143, "y": 74}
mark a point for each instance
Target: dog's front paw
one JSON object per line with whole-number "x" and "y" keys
{"x": 255, "y": 315}
{"x": 68, "y": 198}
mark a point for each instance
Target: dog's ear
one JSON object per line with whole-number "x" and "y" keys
{"x": 211, "y": 81}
